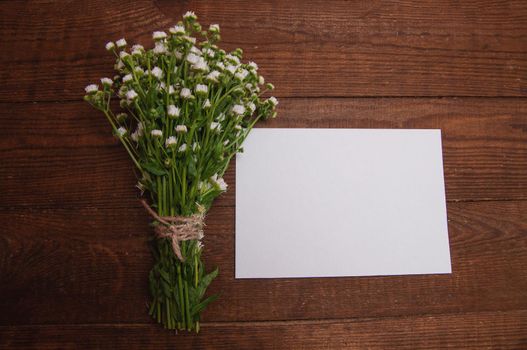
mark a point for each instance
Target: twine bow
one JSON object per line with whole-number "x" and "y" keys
{"x": 177, "y": 228}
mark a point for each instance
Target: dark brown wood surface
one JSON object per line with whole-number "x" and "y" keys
{"x": 73, "y": 254}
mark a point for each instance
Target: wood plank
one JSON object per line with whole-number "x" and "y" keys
{"x": 374, "y": 48}
{"x": 91, "y": 266}
{"x": 489, "y": 330}
{"x": 63, "y": 154}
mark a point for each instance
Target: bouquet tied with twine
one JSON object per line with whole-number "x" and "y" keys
{"x": 185, "y": 109}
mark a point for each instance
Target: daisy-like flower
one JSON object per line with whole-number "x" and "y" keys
{"x": 213, "y": 76}
{"x": 220, "y": 65}
{"x": 178, "y": 55}
{"x": 177, "y": 29}
{"x": 214, "y": 28}
{"x": 107, "y": 81}
{"x": 251, "y": 106}
{"x": 192, "y": 58}
{"x": 159, "y": 35}
{"x": 253, "y": 65}
{"x": 221, "y": 117}
{"x": 138, "y": 132}
{"x": 231, "y": 69}
{"x": 121, "y": 131}
{"x": 91, "y": 89}
{"x": 156, "y": 133}
{"x": 170, "y": 141}
{"x": 202, "y": 89}
{"x": 123, "y": 54}
{"x": 110, "y": 45}
{"x": 190, "y": 39}
{"x": 206, "y": 104}
{"x": 273, "y": 100}
{"x": 139, "y": 70}
{"x": 162, "y": 86}
{"x": 195, "y": 146}
{"x": 195, "y": 50}
{"x": 238, "y": 127}
{"x": 157, "y": 72}
{"x": 185, "y": 93}
{"x": 226, "y": 142}
{"x": 173, "y": 111}
{"x": 127, "y": 78}
{"x": 182, "y": 148}
{"x": 181, "y": 129}
{"x": 190, "y": 15}
{"x": 215, "y": 126}
{"x": 171, "y": 90}
{"x": 201, "y": 65}
{"x": 160, "y": 47}
{"x": 121, "y": 43}
{"x": 233, "y": 59}
{"x": 238, "y": 109}
{"x": 131, "y": 95}
{"x": 209, "y": 52}
{"x": 138, "y": 47}
{"x": 242, "y": 74}
{"x": 261, "y": 80}
{"x": 218, "y": 181}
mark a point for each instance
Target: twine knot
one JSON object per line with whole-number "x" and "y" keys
{"x": 177, "y": 228}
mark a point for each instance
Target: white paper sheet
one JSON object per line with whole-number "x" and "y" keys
{"x": 340, "y": 202}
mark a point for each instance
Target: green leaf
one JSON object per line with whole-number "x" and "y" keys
{"x": 198, "y": 308}
{"x": 204, "y": 283}
{"x": 154, "y": 168}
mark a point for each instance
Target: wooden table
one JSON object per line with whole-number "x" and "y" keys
{"x": 73, "y": 253}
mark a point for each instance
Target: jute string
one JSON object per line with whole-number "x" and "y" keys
{"x": 177, "y": 228}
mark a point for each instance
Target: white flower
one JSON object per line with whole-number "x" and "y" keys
{"x": 139, "y": 70}
{"x": 138, "y": 132}
{"x": 160, "y": 47}
{"x": 209, "y": 52}
{"x": 173, "y": 111}
{"x": 127, "y": 78}
{"x": 238, "y": 127}
{"x": 138, "y": 47}
{"x": 192, "y": 58}
{"x": 137, "y": 50}
{"x": 170, "y": 141}
{"x": 251, "y": 106}
{"x": 238, "y": 109}
{"x": 273, "y": 100}
{"x": 220, "y": 65}
{"x": 123, "y": 54}
{"x": 195, "y": 50}
{"x": 190, "y": 39}
{"x": 177, "y": 29}
{"x": 190, "y": 15}
{"x": 92, "y": 88}
{"x": 231, "y": 68}
{"x": 202, "y": 89}
{"x": 261, "y": 80}
{"x": 242, "y": 74}
{"x": 181, "y": 128}
{"x": 213, "y": 76}
{"x": 157, "y": 72}
{"x": 206, "y": 104}
{"x": 131, "y": 95}
{"x": 200, "y": 65}
{"x": 214, "y": 28}
{"x": 121, "y": 131}
{"x": 106, "y": 81}
{"x": 253, "y": 65}
{"x": 215, "y": 126}
{"x": 185, "y": 93}
{"x": 182, "y": 148}
{"x": 226, "y": 142}
{"x": 233, "y": 59}
{"x": 119, "y": 65}
{"x": 159, "y": 35}
{"x": 171, "y": 90}
{"x": 218, "y": 181}
{"x": 221, "y": 117}
{"x": 109, "y": 45}
{"x": 156, "y": 133}
{"x": 195, "y": 146}
{"x": 162, "y": 86}
{"x": 121, "y": 43}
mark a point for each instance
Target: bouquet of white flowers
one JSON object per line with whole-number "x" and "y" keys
{"x": 187, "y": 108}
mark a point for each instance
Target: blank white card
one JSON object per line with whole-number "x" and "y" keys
{"x": 340, "y": 202}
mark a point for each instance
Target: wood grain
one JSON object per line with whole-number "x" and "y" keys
{"x": 374, "y": 48}
{"x": 62, "y": 155}
{"x": 489, "y": 330}
{"x": 96, "y": 262}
